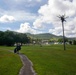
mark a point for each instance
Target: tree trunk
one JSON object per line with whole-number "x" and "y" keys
{"x": 63, "y": 36}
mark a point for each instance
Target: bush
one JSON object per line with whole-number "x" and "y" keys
{"x": 74, "y": 42}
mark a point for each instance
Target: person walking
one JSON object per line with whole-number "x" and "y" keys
{"x": 18, "y": 47}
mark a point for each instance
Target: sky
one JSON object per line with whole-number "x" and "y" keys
{"x": 38, "y": 16}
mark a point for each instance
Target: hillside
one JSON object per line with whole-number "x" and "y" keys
{"x": 43, "y": 36}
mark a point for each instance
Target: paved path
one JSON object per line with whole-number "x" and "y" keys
{"x": 27, "y": 66}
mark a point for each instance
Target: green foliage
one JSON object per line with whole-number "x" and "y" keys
{"x": 9, "y": 38}
{"x": 52, "y": 60}
{"x": 53, "y": 40}
{"x": 70, "y": 42}
{"x": 74, "y": 42}
{"x": 61, "y": 40}
{"x": 46, "y": 36}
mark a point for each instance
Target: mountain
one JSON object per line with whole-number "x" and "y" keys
{"x": 43, "y": 36}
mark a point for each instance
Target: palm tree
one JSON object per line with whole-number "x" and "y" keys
{"x": 62, "y": 18}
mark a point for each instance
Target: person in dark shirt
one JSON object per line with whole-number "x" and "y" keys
{"x": 18, "y": 47}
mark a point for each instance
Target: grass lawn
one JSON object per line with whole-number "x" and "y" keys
{"x": 52, "y": 60}
{"x": 10, "y": 63}
{"x": 47, "y": 60}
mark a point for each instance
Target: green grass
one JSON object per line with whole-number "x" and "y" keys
{"x": 52, "y": 60}
{"x": 47, "y": 60}
{"x": 10, "y": 63}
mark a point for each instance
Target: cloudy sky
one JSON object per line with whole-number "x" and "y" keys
{"x": 38, "y": 16}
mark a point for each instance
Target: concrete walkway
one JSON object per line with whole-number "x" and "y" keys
{"x": 27, "y": 66}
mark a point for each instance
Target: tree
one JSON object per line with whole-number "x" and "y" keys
{"x": 1, "y": 38}
{"x": 61, "y": 40}
{"x": 9, "y": 38}
{"x": 74, "y": 42}
{"x": 70, "y": 42}
{"x": 62, "y": 18}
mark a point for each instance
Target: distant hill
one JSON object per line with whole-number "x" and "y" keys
{"x": 43, "y": 36}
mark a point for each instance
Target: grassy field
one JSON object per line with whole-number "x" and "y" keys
{"x": 52, "y": 60}
{"x": 47, "y": 60}
{"x": 10, "y": 63}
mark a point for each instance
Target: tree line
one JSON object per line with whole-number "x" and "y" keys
{"x": 67, "y": 40}
{"x": 9, "y": 38}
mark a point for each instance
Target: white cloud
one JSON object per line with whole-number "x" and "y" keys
{"x": 7, "y": 18}
{"x": 48, "y": 14}
{"x": 23, "y": 16}
{"x": 57, "y": 30}
{"x": 38, "y": 24}
{"x": 26, "y": 28}
{"x": 19, "y": 15}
